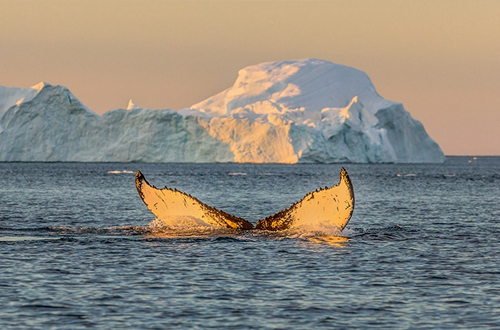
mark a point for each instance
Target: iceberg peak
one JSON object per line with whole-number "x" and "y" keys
{"x": 41, "y": 85}
{"x": 286, "y": 86}
{"x": 131, "y": 105}
{"x": 15, "y": 97}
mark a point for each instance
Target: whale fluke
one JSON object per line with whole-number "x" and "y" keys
{"x": 169, "y": 203}
{"x": 328, "y": 206}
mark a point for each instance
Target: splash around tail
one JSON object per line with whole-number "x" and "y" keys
{"x": 329, "y": 207}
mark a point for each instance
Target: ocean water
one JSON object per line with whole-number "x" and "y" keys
{"x": 422, "y": 250}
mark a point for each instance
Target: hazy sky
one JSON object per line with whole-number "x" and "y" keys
{"x": 441, "y": 59}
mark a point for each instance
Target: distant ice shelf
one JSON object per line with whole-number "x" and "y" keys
{"x": 304, "y": 111}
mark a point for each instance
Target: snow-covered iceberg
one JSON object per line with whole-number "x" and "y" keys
{"x": 302, "y": 111}
{"x": 53, "y": 125}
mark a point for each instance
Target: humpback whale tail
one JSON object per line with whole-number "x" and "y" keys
{"x": 168, "y": 204}
{"x": 331, "y": 206}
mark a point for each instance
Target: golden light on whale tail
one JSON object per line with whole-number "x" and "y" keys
{"x": 170, "y": 205}
{"x": 329, "y": 206}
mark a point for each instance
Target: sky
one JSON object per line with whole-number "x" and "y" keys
{"x": 441, "y": 59}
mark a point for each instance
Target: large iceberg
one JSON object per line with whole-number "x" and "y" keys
{"x": 305, "y": 111}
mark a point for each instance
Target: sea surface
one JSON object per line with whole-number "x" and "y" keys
{"x": 422, "y": 250}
